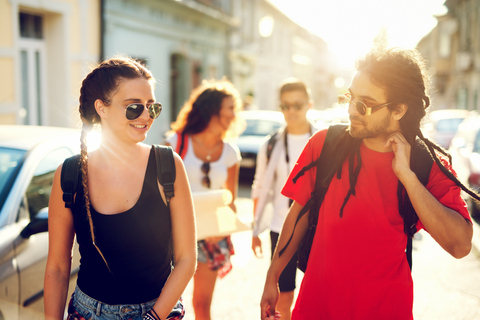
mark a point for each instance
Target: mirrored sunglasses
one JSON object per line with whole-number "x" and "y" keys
{"x": 135, "y": 110}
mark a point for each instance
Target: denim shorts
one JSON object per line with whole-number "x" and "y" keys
{"x": 83, "y": 307}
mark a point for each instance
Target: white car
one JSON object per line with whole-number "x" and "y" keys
{"x": 465, "y": 151}
{"x": 441, "y": 125}
{"x": 259, "y": 124}
{"x": 29, "y": 156}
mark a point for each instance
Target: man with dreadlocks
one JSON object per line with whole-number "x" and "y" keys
{"x": 357, "y": 267}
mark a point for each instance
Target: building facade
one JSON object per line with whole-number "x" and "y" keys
{"x": 268, "y": 47}
{"x": 45, "y": 49}
{"x": 452, "y": 50}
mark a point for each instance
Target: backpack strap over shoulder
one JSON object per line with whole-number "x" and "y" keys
{"x": 337, "y": 145}
{"x": 166, "y": 173}
{"x": 421, "y": 164}
{"x": 182, "y": 144}
{"x": 270, "y": 144}
{"x": 69, "y": 179}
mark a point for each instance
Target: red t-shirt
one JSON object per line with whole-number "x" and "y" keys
{"x": 357, "y": 267}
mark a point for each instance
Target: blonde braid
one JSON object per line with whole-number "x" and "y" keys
{"x": 84, "y": 166}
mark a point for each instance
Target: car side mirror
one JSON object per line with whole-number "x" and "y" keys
{"x": 38, "y": 224}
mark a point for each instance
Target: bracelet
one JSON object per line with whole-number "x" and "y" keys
{"x": 151, "y": 315}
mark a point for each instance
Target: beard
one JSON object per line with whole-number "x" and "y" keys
{"x": 365, "y": 131}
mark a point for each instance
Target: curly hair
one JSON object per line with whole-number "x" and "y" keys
{"x": 205, "y": 102}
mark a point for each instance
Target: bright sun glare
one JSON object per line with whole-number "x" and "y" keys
{"x": 349, "y": 27}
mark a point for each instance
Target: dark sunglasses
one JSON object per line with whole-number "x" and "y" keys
{"x": 206, "y": 169}
{"x": 294, "y": 106}
{"x": 135, "y": 110}
{"x": 346, "y": 100}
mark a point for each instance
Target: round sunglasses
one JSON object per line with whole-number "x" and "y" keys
{"x": 135, "y": 110}
{"x": 346, "y": 100}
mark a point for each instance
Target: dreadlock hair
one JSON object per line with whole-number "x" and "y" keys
{"x": 100, "y": 84}
{"x": 205, "y": 102}
{"x": 402, "y": 74}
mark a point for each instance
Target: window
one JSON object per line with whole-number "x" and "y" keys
{"x": 31, "y": 26}
{"x": 39, "y": 189}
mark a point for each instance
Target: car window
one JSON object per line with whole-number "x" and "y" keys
{"x": 10, "y": 163}
{"x": 448, "y": 125}
{"x": 476, "y": 144}
{"x": 38, "y": 191}
{"x": 257, "y": 127}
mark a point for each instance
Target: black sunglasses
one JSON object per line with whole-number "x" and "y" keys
{"x": 206, "y": 169}
{"x": 135, "y": 110}
{"x": 346, "y": 100}
{"x": 294, "y": 106}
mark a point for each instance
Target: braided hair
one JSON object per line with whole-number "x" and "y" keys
{"x": 402, "y": 75}
{"x": 100, "y": 84}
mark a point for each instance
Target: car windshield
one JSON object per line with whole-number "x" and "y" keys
{"x": 10, "y": 162}
{"x": 448, "y": 125}
{"x": 257, "y": 127}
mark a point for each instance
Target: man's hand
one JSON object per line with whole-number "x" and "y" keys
{"x": 402, "y": 150}
{"x": 257, "y": 247}
{"x": 269, "y": 302}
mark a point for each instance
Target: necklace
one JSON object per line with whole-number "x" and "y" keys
{"x": 209, "y": 151}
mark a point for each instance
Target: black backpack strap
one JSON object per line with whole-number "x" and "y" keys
{"x": 166, "y": 173}
{"x": 69, "y": 179}
{"x": 336, "y": 143}
{"x": 271, "y": 143}
{"x": 422, "y": 165}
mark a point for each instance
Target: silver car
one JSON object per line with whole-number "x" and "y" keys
{"x": 29, "y": 156}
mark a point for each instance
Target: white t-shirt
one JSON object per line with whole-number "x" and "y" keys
{"x": 218, "y": 169}
{"x": 296, "y": 143}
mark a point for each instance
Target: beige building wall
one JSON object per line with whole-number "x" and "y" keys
{"x": 41, "y": 78}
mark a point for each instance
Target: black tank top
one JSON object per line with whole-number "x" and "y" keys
{"x": 137, "y": 245}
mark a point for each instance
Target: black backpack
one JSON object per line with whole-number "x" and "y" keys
{"x": 165, "y": 174}
{"x": 338, "y": 144}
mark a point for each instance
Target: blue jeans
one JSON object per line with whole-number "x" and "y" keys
{"x": 84, "y": 307}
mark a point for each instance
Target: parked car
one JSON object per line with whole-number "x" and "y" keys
{"x": 465, "y": 151}
{"x": 441, "y": 125}
{"x": 29, "y": 156}
{"x": 259, "y": 124}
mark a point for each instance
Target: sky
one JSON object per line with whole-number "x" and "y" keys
{"x": 350, "y": 26}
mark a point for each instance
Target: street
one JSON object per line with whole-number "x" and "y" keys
{"x": 445, "y": 288}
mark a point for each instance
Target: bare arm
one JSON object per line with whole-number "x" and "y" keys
{"x": 232, "y": 183}
{"x": 61, "y": 234}
{"x": 184, "y": 241}
{"x": 270, "y": 291}
{"x": 448, "y": 227}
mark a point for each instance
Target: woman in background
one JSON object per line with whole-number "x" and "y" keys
{"x": 199, "y": 136}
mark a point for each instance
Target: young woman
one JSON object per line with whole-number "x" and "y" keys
{"x": 211, "y": 163}
{"x": 120, "y": 216}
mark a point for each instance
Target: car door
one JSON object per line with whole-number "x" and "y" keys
{"x": 31, "y": 248}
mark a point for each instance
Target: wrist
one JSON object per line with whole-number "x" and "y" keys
{"x": 151, "y": 315}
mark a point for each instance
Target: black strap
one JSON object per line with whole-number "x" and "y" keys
{"x": 334, "y": 142}
{"x": 69, "y": 179}
{"x": 166, "y": 173}
{"x": 421, "y": 164}
{"x": 271, "y": 143}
